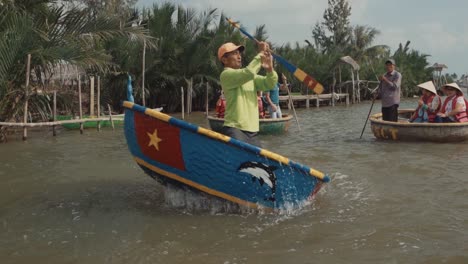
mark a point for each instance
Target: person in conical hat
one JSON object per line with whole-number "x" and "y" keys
{"x": 428, "y": 105}
{"x": 454, "y": 106}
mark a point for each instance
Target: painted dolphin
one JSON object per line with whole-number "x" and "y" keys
{"x": 261, "y": 172}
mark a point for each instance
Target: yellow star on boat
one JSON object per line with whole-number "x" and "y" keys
{"x": 154, "y": 139}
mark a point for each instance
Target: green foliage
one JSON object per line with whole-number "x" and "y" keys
{"x": 107, "y": 37}
{"x": 336, "y": 37}
{"x": 413, "y": 66}
{"x": 53, "y": 34}
{"x": 334, "y": 32}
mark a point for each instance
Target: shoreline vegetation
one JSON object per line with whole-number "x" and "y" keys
{"x": 170, "y": 52}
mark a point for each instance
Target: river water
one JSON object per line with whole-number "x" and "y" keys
{"x": 82, "y": 199}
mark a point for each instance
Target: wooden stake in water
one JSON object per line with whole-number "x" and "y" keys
{"x": 143, "y": 74}
{"x": 285, "y": 82}
{"x": 79, "y": 102}
{"x": 110, "y": 116}
{"x": 55, "y": 113}
{"x": 207, "y": 90}
{"x": 182, "y": 95}
{"x": 91, "y": 96}
{"x": 26, "y": 95}
{"x": 99, "y": 102}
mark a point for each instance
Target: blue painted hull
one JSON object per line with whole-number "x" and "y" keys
{"x": 202, "y": 159}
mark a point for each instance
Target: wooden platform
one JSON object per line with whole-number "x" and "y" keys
{"x": 317, "y": 98}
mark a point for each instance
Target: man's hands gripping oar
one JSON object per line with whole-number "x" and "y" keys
{"x": 308, "y": 80}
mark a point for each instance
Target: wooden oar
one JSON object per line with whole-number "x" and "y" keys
{"x": 370, "y": 110}
{"x": 285, "y": 82}
{"x": 308, "y": 80}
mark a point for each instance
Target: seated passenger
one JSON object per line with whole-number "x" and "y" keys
{"x": 272, "y": 99}
{"x": 220, "y": 106}
{"x": 261, "y": 110}
{"x": 454, "y": 107}
{"x": 428, "y": 105}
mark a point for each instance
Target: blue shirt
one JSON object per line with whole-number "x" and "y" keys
{"x": 274, "y": 94}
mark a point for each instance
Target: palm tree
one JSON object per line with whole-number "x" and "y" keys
{"x": 361, "y": 50}
{"x": 186, "y": 42}
{"x": 53, "y": 34}
{"x": 414, "y": 67}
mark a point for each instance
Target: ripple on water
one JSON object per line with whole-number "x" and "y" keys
{"x": 82, "y": 197}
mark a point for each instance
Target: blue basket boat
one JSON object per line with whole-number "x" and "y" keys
{"x": 172, "y": 150}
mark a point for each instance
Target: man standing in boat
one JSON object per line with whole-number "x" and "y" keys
{"x": 240, "y": 86}
{"x": 390, "y": 86}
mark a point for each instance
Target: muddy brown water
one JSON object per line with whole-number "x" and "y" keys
{"x": 82, "y": 199}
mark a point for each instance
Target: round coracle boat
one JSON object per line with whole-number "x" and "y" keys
{"x": 403, "y": 130}
{"x": 268, "y": 126}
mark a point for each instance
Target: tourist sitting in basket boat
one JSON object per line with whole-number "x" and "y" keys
{"x": 428, "y": 105}
{"x": 221, "y": 106}
{"x": 454, "y": 107}
{"x": 261, "y": 108}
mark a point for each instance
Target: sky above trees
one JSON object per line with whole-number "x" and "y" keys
{"x": 433, "y": 27}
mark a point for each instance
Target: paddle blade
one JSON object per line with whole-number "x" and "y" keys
{"x": 308, "y": 80}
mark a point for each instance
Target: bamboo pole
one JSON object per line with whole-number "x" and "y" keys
{"x": 91, "y": 96}
{"x": 79, "y": 102}
{"x": 143, "y": 74}
{"x": 358, "y": 89}
{"x": 189, "y": 96}
{"x": 55, "y": 112}
{"x": 332, "y": 90}
{"x": 61, "y": 76}
{"x": 110, "y": 116}
{"x": 334, "y": 84}
{"x": 308, "y": 97}
{"x": 99, "y": 102}
{"x": 354, "y": 89}
{"x": 26, "y": 95}
{"x": 207, "y": 88}
{"x": 339, "y": 77}
{"x": 182, "y": 98}
{"x": 189, "y": 110}
{"x": 285, "y": 82}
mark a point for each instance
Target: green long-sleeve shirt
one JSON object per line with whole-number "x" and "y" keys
{"x": 240, "y": 88}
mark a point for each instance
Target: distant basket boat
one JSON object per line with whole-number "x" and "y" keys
{"x": 267, "y": 125}
{"x": 117, "y": 119}
{"x": 174, "y": 151}
{"x": 405, "y": 131}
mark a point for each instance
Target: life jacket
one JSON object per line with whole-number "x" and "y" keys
{"x": 431, "y": 115}
{"x": 460, "y": 117}
{"x": 220, "y": 107}
{"x": 265, "y": 101}
{"x": 261, "y": 111}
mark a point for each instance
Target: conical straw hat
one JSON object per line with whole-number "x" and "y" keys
{"x": 453, "y": 85}
{"x": 428, "y": 86}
